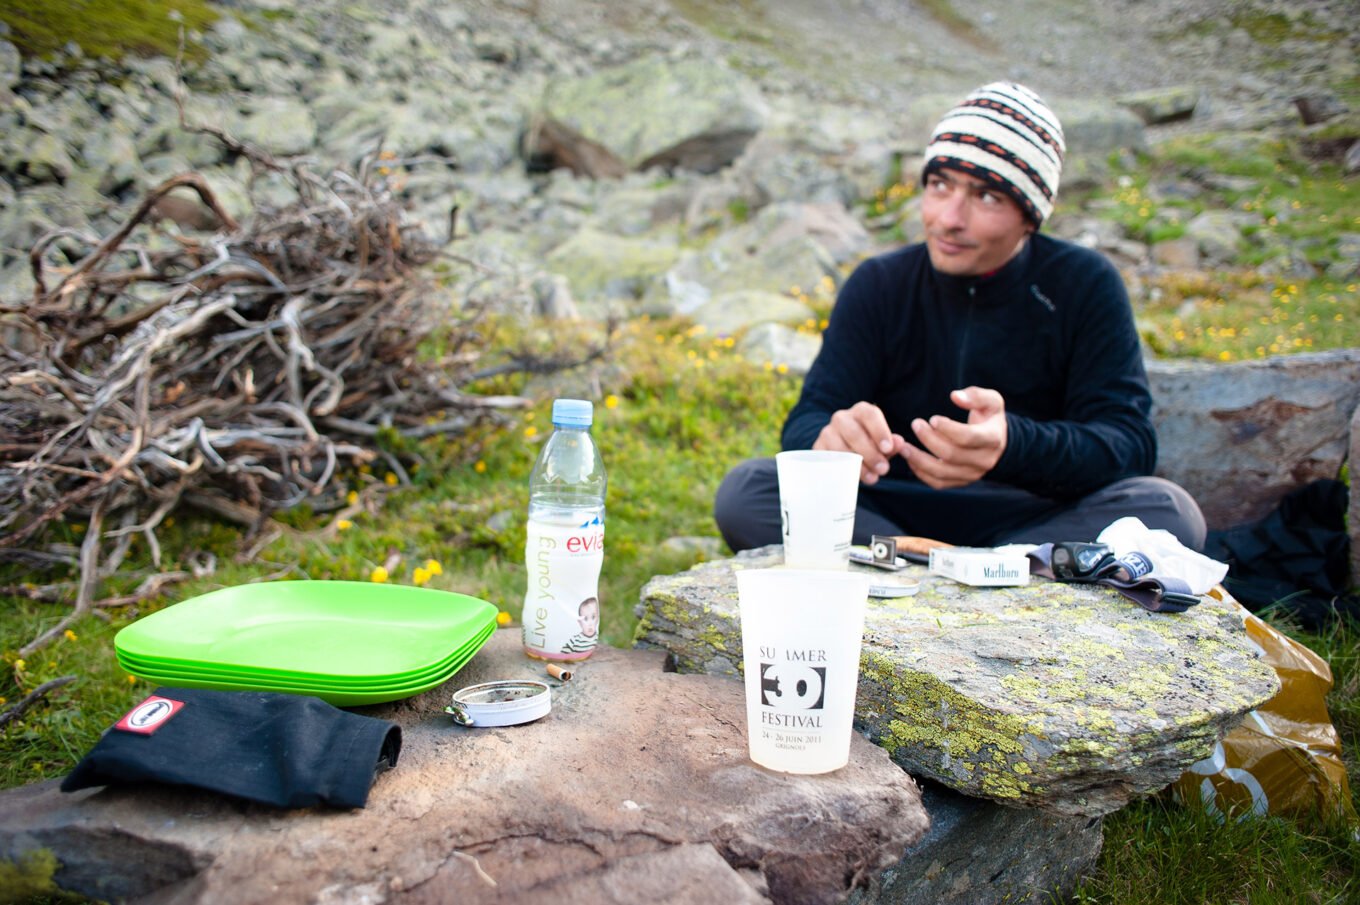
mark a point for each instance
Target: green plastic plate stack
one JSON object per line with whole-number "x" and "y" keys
{"x": 346, "y": 642}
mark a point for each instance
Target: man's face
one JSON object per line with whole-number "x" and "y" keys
{"x": 971, "y": 228}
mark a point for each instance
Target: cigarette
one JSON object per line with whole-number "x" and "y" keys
{"x": 560, "y": 673}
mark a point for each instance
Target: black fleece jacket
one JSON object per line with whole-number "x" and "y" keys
{"x": 1052, "y": 331}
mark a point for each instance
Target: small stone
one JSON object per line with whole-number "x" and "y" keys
{"x": 11, "y": 65}
{"x": 500, "y": 522}
{"x": 1319, "y": 107}
{"x": 779, "y": 345}
{"x": 1162, "y": 105}
{"x": 1177, "y": 254}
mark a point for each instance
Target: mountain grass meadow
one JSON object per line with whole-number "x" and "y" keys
{"x": 677, "y": 407}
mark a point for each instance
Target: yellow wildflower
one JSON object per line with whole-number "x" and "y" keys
{"x": 379, "y": 574}
{"x": 420, "y": 576}
{"x": 502, "y": 618}
{"x": 352, "y": 497}
{"x": 611, "y": 401}
{"x": 70, "y": 635}
{"x": 344, "y": 524}
{"x": 433, "y": 566}
{"x": 390, "y": 479}
{"x": 480, "y": 467}
{"x": 530, "y": 432}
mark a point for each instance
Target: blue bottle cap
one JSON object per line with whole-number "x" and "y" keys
{"x": 572, "y": 413}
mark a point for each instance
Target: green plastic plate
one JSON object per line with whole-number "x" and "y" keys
{"x": 231, "y": 671}
{"x": 340, "y": 697}
{"x": 310, "y": 630}
{"x": 146, "y": 668}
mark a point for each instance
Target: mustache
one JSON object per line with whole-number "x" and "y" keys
{"x": 953, "y": 237}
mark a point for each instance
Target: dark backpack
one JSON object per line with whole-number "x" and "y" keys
{"x": 1296, "y": 560}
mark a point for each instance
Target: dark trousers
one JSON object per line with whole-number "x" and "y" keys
{"x": 982, "y": 514}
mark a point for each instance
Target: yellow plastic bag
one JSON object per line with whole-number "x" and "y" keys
{"x": 1284, "y": 758}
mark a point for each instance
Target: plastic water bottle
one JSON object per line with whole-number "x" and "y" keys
{"x": 565, "y": 545}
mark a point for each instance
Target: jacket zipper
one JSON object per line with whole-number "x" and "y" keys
{"x": 963, "y": 342}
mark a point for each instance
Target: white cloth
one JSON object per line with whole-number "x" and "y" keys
{"x": 1169, "y": 557}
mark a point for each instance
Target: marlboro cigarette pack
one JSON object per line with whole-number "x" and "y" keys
{"x": 980, "y": 566}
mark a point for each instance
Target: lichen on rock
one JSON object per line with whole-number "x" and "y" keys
{"x": 1063, "y": 697}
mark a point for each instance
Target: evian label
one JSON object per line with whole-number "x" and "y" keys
{"x": 150, "y": 715}
{"x": 561, "y": 614}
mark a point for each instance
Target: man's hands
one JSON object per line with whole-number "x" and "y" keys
{"x": 955, "y": 453}
{"x": 862, "y": 429}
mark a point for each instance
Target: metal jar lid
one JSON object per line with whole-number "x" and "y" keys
{"x": 505, "y": 703}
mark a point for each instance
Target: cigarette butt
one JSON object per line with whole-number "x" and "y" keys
{"x": 561, "y": 673}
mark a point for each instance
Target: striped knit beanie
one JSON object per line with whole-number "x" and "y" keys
{"x": 1005, "y": 134}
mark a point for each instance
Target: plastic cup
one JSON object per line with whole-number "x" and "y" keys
{"x": 800, "y": 638}
{"x": 818, "y": 490}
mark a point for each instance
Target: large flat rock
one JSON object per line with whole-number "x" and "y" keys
{"x": 1068, "y": 698}
{"x": 1240, "y": 436}
{"x": 636, "y": 787}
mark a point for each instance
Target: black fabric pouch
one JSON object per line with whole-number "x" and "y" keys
{"x": 292, "y": 751}
{"x": 1296, "y": 559}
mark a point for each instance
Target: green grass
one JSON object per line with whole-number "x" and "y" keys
{"x": 1257, "y": 308}
{"x": 1157, "y": 851}
{"x": 1160, "y": 852}
{"x": 105, "y": 28}
{"x": 678, "y": 407}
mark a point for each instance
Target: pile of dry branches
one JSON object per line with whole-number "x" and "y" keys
{"x": 235, "y": 372}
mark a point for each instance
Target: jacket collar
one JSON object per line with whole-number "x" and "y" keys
{"x": 996, "y": 288}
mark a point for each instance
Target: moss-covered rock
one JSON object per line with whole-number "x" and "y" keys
{"x": 1067, "y": 698}
{"x": 655, "y": 111}
{"x": 605, "y": 268}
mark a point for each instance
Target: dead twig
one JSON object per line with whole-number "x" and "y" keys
{"x": 33, "y": 697}
{"x": 89, "y": 571}
{"x": 239, "y": 373}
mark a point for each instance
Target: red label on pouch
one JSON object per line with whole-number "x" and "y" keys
{"x": 150, "y": 715}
